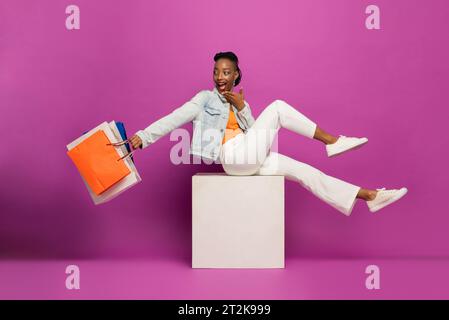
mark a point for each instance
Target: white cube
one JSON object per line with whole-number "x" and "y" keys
{"x": 237, "y": 221}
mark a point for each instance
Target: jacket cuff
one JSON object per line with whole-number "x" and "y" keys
{"x": 142, "y": 135}
{"x": 244, "y": 115}
{"x": 244, "y": 111}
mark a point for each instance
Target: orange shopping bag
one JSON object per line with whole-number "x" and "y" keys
{"x": 98, "y": 162}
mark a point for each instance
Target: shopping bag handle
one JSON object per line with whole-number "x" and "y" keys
{"x": 127, "y": 155}
{"x": 117, "y": 144}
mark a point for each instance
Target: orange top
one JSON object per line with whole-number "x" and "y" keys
{"x": 232, "y": 127}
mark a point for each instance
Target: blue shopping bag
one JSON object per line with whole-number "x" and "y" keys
{"x": 121, "y": 129}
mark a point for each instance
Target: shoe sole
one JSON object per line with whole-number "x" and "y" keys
{"x": 351, "y": 148}
{"x": 392, "y": 200}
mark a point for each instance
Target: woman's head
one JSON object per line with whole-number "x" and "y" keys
{"x": 227, "y": 73}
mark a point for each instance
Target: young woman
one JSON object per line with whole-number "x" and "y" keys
{"x": 225, "y": 131}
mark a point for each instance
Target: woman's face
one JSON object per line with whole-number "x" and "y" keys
{"x": 224, "y": 74}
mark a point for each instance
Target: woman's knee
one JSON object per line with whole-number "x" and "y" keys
{"x": 275, "y": 104}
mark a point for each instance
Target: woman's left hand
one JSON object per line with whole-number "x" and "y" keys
{"x": 235, "y": 99}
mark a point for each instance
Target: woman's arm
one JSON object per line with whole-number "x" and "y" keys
{"x": 246, "y": 116}
{"x": 186, "y": 113}
{"x": 244, "y": 111}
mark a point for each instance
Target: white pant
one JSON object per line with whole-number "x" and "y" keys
{"x": 237, "y": 156}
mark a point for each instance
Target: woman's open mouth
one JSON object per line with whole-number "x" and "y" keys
{"x": 221, "y": 86}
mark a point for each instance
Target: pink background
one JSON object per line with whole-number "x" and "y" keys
{"x": 135, "y": 61}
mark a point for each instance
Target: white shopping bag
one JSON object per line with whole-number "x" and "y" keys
{"x": 113, "y": 134}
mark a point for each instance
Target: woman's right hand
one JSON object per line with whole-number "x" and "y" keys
{"x": 135, "y": 141}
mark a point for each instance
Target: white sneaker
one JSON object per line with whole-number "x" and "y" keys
{"x": 385, "y": 197}
{"x": 344, "y": 144}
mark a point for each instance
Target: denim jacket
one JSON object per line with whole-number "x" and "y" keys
{"x": 209, "y": 112}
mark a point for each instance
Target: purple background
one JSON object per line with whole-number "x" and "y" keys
{"x": 136, "y": 61}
